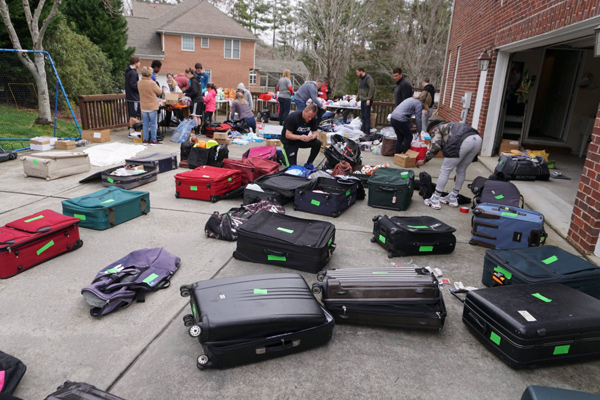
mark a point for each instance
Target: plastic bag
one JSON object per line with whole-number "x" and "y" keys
{"x": 388, "y": 131}
{"x": 183, "y": 130}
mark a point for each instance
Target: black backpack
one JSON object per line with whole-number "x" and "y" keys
{"x": 212, "y": 156}
{"x": 13, "y": 370}
{"x": 495, "y": 192}
{"x": 426, "y": 187}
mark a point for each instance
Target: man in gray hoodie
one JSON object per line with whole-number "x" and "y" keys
{"x": 247, "y": 95}
{"x": 307, "y": 91}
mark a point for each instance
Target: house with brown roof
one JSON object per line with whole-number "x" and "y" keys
{"x": 268, "y": 73}
{"x": 181, "y": 35}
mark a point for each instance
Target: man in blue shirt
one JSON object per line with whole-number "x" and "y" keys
{"x": 202, "y": 75}
{"x": 156, "y": 66}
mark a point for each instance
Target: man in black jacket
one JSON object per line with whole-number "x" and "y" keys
{"x": 404, "y": 89}
{"x": 132, "y": 96}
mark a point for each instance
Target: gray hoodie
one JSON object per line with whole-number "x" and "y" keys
{"x": 247, "y": 95}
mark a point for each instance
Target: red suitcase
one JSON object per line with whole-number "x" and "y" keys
{"x": 207, "y": 183}
{"x": 32, "y": 240}
{"x": 252, "y": 168}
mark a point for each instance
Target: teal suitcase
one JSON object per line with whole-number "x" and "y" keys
{"x": 107, "y": 207}
{"x": 391, "y": 188}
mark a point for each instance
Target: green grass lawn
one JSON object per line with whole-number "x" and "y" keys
{"x": 19, "y": 124}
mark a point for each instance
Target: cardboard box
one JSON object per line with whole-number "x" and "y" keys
{"x": 273, "y": 142}
{"x": 406, "y": 160}
{"x": 507, "y": 145}
{"x": 173, "y": 98}
{"x": 220, "y": 135}
{"x": 373, "y": 119}
{"x": 96, "y": 135}
{"x": 223, "y": 141}
{"x": 323, "y": 138}
{"x": 42, "y": 143}
{"x": 65, "y": 144}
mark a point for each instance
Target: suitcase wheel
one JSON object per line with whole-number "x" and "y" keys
{"x": 12, "y": 156}
{"x": 77, "y": 245}
{"x": 184, "y": 291}
{"x": 335, "y": 214}
{"x": 376, "y": 218}
{"x": 320, "y": 276}
{"x": 188, "y": 320}
{"x": 316, "y": 289}
{"x": 295, "y": 207}
{"x": 195, "y": 331}
{"x": 473, "y": 243}
{"x": 202, "y": 361}
{"x": 373, "y": 239}
{"x": 177, "y": 195}
{"x": 214, "y": 199}
{"x": 390, "y": 254}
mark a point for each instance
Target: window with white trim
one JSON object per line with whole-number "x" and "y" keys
{"x": 252, "y": 78}
{"x": 447, "y": 76}
{"x": 187, "y": 43}
{"x": 232, "y": 48}
{"x": 455, "y": 73}
{"x": 204, "y": 43}
{"x": 209, "y": 73}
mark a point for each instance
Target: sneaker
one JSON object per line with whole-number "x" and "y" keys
{"x": 435, "y": 204}
{"x": 145, "y": 143}
{"x": 153, "y": 142}
{"x": 453, "y": 202}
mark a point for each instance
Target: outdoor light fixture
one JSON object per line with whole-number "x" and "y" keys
{"x": 597, "y": 41}
{"x": 483, "y": 62}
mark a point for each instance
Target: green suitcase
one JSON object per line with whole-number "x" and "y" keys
{"x": 107, "y": 207}
{"x": 391, "y": 188}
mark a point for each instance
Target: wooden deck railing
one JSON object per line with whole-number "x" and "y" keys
{"x": 103, "y": 111}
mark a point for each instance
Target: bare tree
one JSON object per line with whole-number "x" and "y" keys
{"x": 332, "y": 29}
{"x": 36, "y": 66}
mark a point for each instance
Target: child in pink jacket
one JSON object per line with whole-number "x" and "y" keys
{"x": 211, "y": 103}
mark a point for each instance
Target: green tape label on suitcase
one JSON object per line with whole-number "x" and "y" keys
{"x": 330, "y": 241}
{"x": 504, "y": 272}
{"x": 315, "y": 203}
{"x": 229, "y": 180}
{"x": 194, "y": 188}
{"x": 35, "y": 162}
{"x": 46, "y": 247}
{"x": 500, "y": 162}
{"x": 382, "y": 238}
{"x": 285, "y": 230}
{"x": 34, "y": 218}
{"x": 494, "y": 337}
{"x": 424, "y": 249}
{"x": 379, "y": 272}
{"x": 260, "y": 291}
{"x": 541, "y": 297}
{"x": 107, "y": 201}
{"x": 110, "y": 180}
{"x": 272, "y": 257}
{"x": 507, "y": 214}
{"x": 500, "y": 196}
{"x": 80, "y": 216}
{"x": 417, "y": 226}
{"x": 194, "y": 312}
{"x": 550, "y": 260}
{"x": 348, "y": 193}
{"x": 150, "y": 278}
{"x": 564, "y": 349}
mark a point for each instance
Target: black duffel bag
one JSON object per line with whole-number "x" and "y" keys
{"x": 521, "y": 168}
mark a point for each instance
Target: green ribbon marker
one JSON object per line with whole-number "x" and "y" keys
{"x": 194, "y": 312}
{"x": 564, "y": 349}
{"x": 261, "y": 291}
{"x": 34, "y": 218}
{"x": 80, "y": 216}
{"x": 330, "y": 241}
{"x": 193, "y": 188}
{"x": 507, "y": 214}
{"x": 500, "y": 162}
{"x": 112, "y": 271}
{"x": 272, "y": 257}
{"x": 315, "y": 203}
{"x": 417, "y": 227}
{"x": 541, "y": 297}
{"x": 150, "y": 278}
{"x": 35, "y": 162}
{"x": 228, "y": 179}
{"x": 504, "y": 272}
{"x": 423, "y": 249}
{"x": 285, "y": 230}
{"x": 110, "y": 180}
{"x": 550, "y": 260}
{"x": 494, "y": 337}
{"x": 500, "y": 196}
{"x": 382, "y": 238}
{"x": 46, "y": 247}
{"x": 348, "y": 193}
{"x": 107, "y": 201}
{"x": 379, "y": 273}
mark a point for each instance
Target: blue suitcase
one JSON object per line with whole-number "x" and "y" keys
{"x": 540, "y": 264}
{"x": 549, "y": 393}
{"x": 501, "y": 227}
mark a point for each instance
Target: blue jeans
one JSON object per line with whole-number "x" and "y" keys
{"x": 149, "y": 118}
{"x": 404, "y": 133}
{"x": 300, "y": 106}
{"x": 251, "y": 121}
{"x": 284, "y": 109}
{"x": 365, "y": 115}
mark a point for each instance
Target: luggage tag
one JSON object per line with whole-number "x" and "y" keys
{"x": 394, "y": 200}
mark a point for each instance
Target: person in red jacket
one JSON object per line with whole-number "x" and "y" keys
{"x": 211, "y": 103}
{"x": 324, "y": 91}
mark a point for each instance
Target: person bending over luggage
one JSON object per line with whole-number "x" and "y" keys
{"x": 241, "y": 106}
{"x": 300, "y": 131}
{"x": 460, "y": 143}
{"x": 194, "y": 92}
{"x": 211, "y": 102}
{"x": 401, "y": 119}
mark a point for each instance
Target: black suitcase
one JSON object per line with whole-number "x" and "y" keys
{"x": 404, "y": 236}
{"x": 164, "y": 162}
{"x": 279, "y": 187}
{"x": 496, "y": 192}
{"x": 277, "y": 239}
{"x": 389, "y": 297}
{"x": 248, "y": 319}
{"x": 328, "y": 197}
{"x": 538, "y": 265}
{"x": 6, "y": 155}
{"x": 549, "y": 393}
{"x": 522, "y": 168}
{"x": 80, "y": 391}
{"x": 533, "y": 325}
{"x": 149, "y": 174}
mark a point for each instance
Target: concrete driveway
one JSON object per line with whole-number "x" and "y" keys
{"x": 144, "y": 352}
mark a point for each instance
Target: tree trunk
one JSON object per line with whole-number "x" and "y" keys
{"x": 44, "y": 116}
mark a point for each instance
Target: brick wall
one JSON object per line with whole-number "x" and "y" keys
{"x": 226, "y": 73}
{"x": 477, "y": 25}
{"x": 585, "y": 220}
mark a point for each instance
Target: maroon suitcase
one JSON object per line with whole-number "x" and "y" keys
{"x": 252, "y": 168}
{"x": 32, "y": 240}
{"x": 207, "y": 183}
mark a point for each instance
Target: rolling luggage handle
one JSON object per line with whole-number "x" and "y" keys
{"x": 284, "y": 345}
